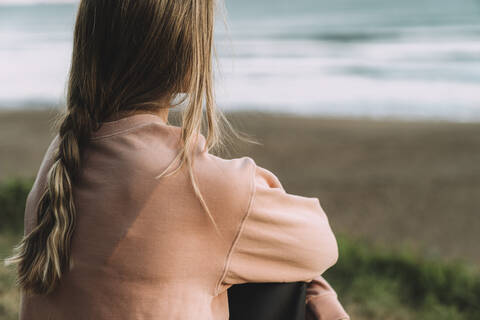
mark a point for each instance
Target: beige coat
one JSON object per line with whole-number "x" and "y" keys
{"x": 144, "y": 248}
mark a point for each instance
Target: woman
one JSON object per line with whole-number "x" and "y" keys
{"x": 133, "y": 218}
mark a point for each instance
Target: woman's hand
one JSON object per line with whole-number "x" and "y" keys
{"x": 322, "y": 302}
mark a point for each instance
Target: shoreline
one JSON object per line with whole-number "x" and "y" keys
{"x": 5, "y": 110}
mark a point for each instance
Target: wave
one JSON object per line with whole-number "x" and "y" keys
{"x": 376, "y": 59}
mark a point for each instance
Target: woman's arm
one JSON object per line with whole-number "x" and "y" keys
{"x": 322, "y": 302}
{"x": 278, "y": 238}
{"x": 283, "y": 237}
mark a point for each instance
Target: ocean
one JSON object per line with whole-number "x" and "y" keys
{"x": 409, "y": 59}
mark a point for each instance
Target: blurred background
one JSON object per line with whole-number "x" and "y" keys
{"x": 372, "y": 106}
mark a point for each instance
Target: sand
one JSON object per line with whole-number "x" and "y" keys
{"x": 392, "y": 182}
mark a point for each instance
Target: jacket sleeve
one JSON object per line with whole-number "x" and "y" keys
{"x": 322, "y": 302}
{"x": 282, "y": 237}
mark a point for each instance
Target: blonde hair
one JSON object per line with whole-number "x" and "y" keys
{"x": 128, "y": 55}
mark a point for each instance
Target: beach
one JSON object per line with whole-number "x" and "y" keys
{"x": 397, "y": 183}
{"x": 371, "y": 106}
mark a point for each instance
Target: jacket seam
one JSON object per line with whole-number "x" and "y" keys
{"x": 240, "y": 229}
{"x": 122, "y": 131}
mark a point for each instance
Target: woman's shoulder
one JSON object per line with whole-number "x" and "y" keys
{"x": 229, "y": 179}
{"x": 236, "y": 174}
{"x": 240, "y": 167}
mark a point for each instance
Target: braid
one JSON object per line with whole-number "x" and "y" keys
{"x": 43, "y": 255}
{"x": 127, "y": 55}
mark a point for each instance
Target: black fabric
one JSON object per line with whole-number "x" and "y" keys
{"x": 267, "y": 301}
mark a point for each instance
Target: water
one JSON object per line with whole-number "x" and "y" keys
{"x": 416, "y": 59}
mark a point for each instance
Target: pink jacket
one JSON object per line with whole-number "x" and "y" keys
{"x": 143, "y": 248}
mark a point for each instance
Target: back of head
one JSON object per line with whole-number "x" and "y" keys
{"x": 131, "y": 54}
{"x": 128, "y": 55}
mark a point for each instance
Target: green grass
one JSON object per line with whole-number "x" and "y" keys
{"x": 382, "y": 283}
{"x": 372, "y": 281}
{"x": 13, "y": 194}
{"x": 9, "y": 297}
